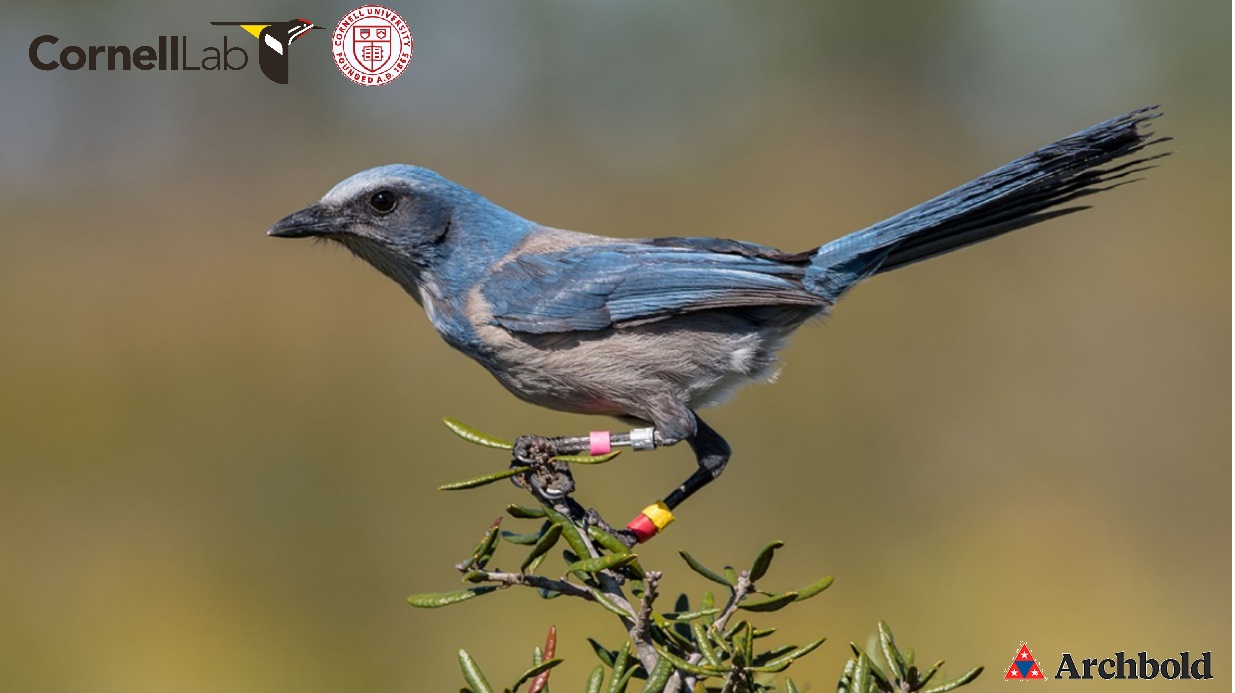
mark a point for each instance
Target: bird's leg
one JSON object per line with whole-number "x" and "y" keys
{"x": 711, "y": 454}
{"x": 595, "y": 443}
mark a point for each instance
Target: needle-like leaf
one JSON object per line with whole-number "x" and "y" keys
{"x": 482, "y": 480}
{"x": 433, "y": 600}
{"x": 471, "y": 435}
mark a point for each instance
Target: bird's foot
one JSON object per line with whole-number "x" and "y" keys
{"x": 545, "y": 478}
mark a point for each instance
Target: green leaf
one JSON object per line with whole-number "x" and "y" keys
{"x": 523, "y": 539}
{"x": 762, "y": 633}
{"x": 884, "y": 682}
{"x": 706, "y": 571}
{"x": 525, "y": 513}
{"x": 595, "y": 565}
{"x": 768, "y": 655}
{"x": 893, "y": 656}
{"x": 605, "y": 655}
{"x": 731, "y": 575}
{"x": 472, "y": 674}
{"x": 546, "y": 542}
{"x": 570, "y": 532}
{"x": 484, "y": 549}
{"x": 586, "y": 459}
{"x": 790, "y": 686}
{"x": 814, "y": 588}
{"x": 658, "y": 678}
{"x": 631, "y": 672}
{"x": 772, "y": 603}
{"x": 535, "y": 671}
{"x": 595, "y": 680}
{"x": 605, "y": 602}
{"x": 621, "y": 661}
{"x": 530, "y": 567}
{"x": 703, "y": 643}
{"x": 607, "y": 540}
{"x": 862, "y": 674}
{"x": 845, "y": 684}
{"x": 482, "y": 480}
{"x": 762, "y": 561}
{"x": 748, "y": 645}
{"x": 689, "y": 615}
{"x": 923, "y": 679}
{"x": 779, "y": 663}
{"x": 471, "y": 435}
{"x": 683, "y": 665}
{"x": 569, "y": 557}
{"x": 670, "y": 631}
{"x": 433, "y": 600}
{"x": 734, "y": 629}
{"x": 958, "y": 681}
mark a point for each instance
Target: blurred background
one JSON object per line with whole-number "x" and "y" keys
{"x": 219, "y": 451}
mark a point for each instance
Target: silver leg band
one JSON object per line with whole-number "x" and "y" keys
{"x": 643, "y": 438}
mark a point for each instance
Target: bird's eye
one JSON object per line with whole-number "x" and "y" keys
{"x": 383, "y": 201}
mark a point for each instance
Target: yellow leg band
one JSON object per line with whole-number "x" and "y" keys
{"x": 659, "y": 514}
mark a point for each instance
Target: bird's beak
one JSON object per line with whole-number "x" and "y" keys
{"x": 310, "y": 221}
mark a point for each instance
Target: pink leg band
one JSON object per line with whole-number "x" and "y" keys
{"x": 600, "y": 443}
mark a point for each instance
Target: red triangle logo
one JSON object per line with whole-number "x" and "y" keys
{"x": 1024, "y": 666}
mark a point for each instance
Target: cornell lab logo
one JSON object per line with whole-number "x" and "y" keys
{"x": 174, "y": 52}
{"x": 372, "y": 45}
{"x": 274, "y": 39}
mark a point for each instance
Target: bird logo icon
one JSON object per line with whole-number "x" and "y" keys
{"x": 273, "y": 41}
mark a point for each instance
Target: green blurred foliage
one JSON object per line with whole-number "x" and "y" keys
{"x": 219, "y": 451}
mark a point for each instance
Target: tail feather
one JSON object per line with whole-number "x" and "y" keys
{"x": 1026, "y": 191}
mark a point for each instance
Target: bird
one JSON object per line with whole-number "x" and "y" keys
{"x": 651, "y": 330}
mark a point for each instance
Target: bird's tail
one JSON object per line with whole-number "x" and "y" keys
{"x": 1024, "y": 192}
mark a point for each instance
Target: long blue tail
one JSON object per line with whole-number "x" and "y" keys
{"x": 1018, "y": 194}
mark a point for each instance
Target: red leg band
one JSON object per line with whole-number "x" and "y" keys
{"x": 642, "y": 527}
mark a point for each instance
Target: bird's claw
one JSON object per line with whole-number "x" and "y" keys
{"x": 533, "y": 450}
{"x": 545, "y": 477}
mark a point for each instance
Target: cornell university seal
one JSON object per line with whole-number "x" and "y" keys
{"x": 372, "y": 45}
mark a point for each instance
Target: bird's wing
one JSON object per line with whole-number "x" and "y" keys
{"x": 598, "y": 286}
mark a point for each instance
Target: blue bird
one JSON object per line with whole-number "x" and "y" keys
{"x": 653, "y": 330}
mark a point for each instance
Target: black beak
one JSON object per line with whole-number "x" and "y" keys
{"x": 310, "y": 221}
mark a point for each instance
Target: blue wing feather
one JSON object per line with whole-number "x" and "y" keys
{"x": 598, "y": 286}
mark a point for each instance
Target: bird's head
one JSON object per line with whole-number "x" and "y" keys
{"x": 396, "y": 218}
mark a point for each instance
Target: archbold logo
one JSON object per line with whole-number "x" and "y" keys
{"x": 1024, "y": 666}
{"x": 273, "y": 41}
{"x": 372, "y": 45}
